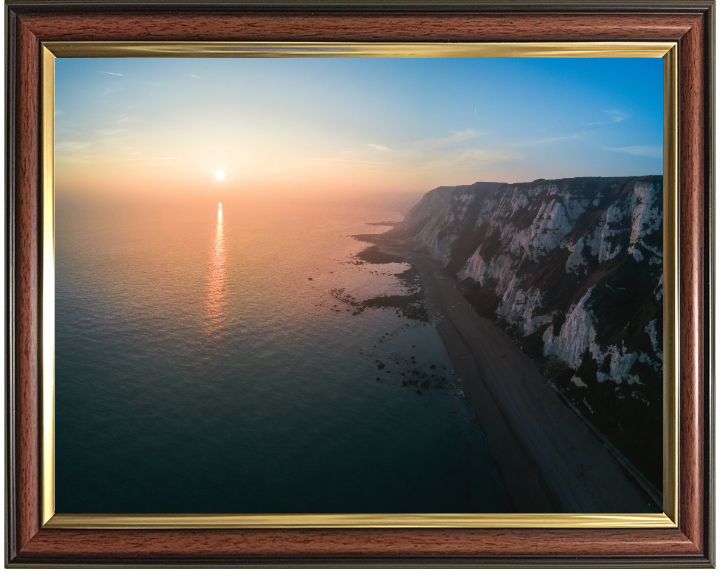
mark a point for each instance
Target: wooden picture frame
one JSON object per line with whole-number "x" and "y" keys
{"x": 35, "y": 23}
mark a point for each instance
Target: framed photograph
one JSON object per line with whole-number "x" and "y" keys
{"x": 345, "y": 284}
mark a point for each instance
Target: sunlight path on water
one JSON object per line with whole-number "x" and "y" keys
{"x": 216, "y": 302}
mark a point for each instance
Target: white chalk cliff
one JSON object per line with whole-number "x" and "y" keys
{"x": 571, "y": 268}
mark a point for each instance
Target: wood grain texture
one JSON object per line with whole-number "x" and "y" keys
{"x": 693, "y": 200}
{"x": 11, "y": 425}
{"x": 710, "y": 222}
{"x": 368, "y": 27}
{"x": 218, "y": 545}
{"x": 26, "y": 287}
{"x": 688, "y": 545}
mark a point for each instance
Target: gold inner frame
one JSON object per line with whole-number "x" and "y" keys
{"x": 665, "y": 50}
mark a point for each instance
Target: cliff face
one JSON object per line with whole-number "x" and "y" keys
{"x": 572, "y": 269}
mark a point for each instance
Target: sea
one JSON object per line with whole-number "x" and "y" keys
{"x": 208, "y": 361}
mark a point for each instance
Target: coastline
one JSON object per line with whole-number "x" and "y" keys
{"x": 547, "y": 458}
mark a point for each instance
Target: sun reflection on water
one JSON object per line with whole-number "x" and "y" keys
{"x": 216, "y": 303}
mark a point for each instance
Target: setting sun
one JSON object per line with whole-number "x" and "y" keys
{"x": 220, "y": 175}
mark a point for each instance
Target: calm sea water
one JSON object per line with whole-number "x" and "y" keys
{"x": 199, "y": 369}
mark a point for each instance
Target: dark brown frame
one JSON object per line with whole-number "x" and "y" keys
{"x": 690, "y": 23}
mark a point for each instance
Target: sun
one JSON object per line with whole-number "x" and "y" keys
{"x": 219, "y": 175}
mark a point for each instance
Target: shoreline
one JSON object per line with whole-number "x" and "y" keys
{"x": 547, "y": 458}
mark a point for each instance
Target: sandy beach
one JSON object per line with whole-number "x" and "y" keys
{"x": 547, "y": 457}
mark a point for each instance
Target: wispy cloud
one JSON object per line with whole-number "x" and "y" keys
{"x": 339, "y": 161}
{"x": 448, "y": 140}
{"x": 615, "y": 117}
{"x": 84, "y": 158}
{"x": 194, "y": 76}
{"x": 473, "y": 157}
{"x": 647, "y": 151}
{"x": 110, "y": 73}
{"x": 552, "y": 139}
{"x": 109, "y": 131}
{"x": 442, "y": 153}
{"x": 146, "y": 159}
{"x": 344, "y": 161}
{"x": 70, "y": 146}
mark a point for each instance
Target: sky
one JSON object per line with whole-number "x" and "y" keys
{"x": 340, "y": 127}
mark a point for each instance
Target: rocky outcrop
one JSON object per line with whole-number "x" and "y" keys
{"x": 572, "y": 269}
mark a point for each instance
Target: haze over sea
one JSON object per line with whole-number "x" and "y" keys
{"x": 203, "y": 365}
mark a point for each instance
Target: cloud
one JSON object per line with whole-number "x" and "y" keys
{"x": 146, "y": 159}
{"x": 473, "y": 157}
{"x": 447, "y": 140}
{"x": 553, "y": 139}
{"x": 109, "y": 131}
{"x": 70, "y": 146}
{"x": 380, "y": 147}
{"x": 647, "y": 151}
{"x": 615, "y": 117}
{"x": 194, "y": 76}
{"x": 111, "y": 73}
{"x": 339, "y": 161}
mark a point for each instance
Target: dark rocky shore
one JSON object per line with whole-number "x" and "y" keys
{"x": 547, "y": 458}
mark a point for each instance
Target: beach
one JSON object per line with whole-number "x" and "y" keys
{"x": 547, "y": 457}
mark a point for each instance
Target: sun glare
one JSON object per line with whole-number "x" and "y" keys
{"x": 220, "y": 175}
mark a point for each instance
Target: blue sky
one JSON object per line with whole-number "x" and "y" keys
{"x": 344, "y": 126}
